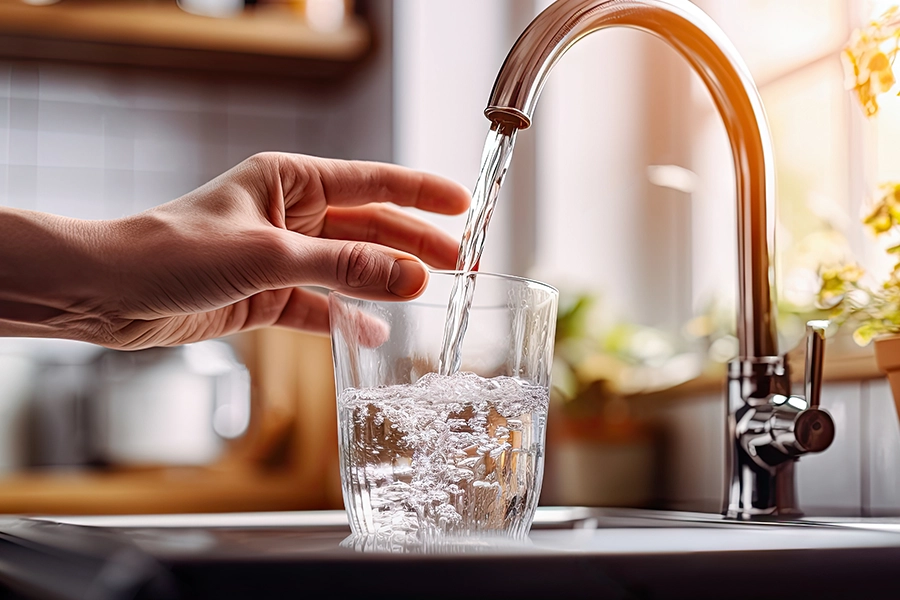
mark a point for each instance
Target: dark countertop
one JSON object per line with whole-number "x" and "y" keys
{"x": 572, "y": 553}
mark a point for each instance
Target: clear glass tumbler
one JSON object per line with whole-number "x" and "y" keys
{"x": 430, "y": 456}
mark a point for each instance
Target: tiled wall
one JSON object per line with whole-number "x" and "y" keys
{"x": 95, "y": 142}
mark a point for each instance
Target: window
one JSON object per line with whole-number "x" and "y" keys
{"x": 621, "y": 102}
{"x": 793, "y": 50}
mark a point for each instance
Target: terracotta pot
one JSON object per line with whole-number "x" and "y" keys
{"x": 887, "y": 356}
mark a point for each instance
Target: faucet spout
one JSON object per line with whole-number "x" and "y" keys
{"x": 766, "y": 432}
{"x": 696, "y": 37}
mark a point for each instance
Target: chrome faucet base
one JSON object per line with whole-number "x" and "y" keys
{"x": 756, "y": 488}
{"x": 768, "y": 429}
{"x": 763, "y": 494}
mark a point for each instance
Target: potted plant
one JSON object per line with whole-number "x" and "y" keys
{"x": 872, "y": 310}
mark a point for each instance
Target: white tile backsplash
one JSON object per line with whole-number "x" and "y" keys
{"x": 72, "y": 192}
{"x": 24, "y": 79}
{"x": 73, "y": 150}
{"x": 214, "y": 127}
{"x": 79, "y": 85}
{"x": 313, "y": 136}
{"x": 166, "y": 124}
{"x": 4, "y": 108}
{"x": 97, "y": 142}
{"x": 70, "y": 117}
{"x": 213, "y": 159}
{"x": 262, "y": 131}
{"x": 5, "y": 71}
{"x": 169, "y": 156}
{"x": 118, "y": 192}
{"x": 21, "y": 186}
{"x": 4, "y": 137}
{"x": 152, "y": 188}
{"x": 23, "y": 114}
{"x": 23, "y": 147}
{"x": 831, "y": 482}
{"x": 4, "y": 184}
{"x": 118, "y": 153}
{"x": 270, "y": 100}
{"x": 882, "y": 442}
{"x": 119, "y": 122}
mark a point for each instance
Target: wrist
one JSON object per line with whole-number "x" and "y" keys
{"x": 51, "y": 276}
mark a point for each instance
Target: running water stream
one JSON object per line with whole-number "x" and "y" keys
{"x": 498, "y": 150}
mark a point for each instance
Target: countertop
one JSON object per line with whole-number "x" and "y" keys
{"x": 571, "y": 553}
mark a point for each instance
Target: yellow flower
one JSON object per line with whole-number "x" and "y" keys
{"x": 845, "y": 273}
{"x": 893, "y": 280}
{"x": 868, "y": 59}
{"x": 873, "y": 76}
{"x": 836, "y": 282}
{"x": 879, "y": 220}
{"x": 885, "y": 212}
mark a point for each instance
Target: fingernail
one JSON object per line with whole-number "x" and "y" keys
{"x": 408, "y": 277}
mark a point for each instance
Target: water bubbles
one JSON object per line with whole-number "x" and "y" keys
{"x": 446, "y": 454}
{"x": 489, "y": 485}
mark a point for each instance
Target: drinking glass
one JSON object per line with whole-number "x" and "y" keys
{"x": 431, "y": 456}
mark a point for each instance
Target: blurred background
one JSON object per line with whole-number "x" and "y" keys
{"x": 621, "y": 195}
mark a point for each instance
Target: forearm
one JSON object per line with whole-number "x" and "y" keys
{"x": 51, "y": 269}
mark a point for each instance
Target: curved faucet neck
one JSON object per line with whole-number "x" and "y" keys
{"x": 698, "y": 39}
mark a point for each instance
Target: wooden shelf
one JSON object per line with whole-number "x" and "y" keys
{"x": 273, "y": 40}
{"x": 842, "y": 364}
{"x": 173, "y": 490}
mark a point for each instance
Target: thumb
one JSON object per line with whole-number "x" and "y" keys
{"x": 360, "y": 269}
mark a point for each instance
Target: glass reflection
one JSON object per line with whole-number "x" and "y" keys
{"x": 413, "y": 544}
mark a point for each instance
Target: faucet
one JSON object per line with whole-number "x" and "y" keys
{"x": 767, "y": 428}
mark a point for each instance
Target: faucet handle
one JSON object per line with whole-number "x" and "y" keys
{"x": 814, "y": 427}
{"x": 815, "y": 361}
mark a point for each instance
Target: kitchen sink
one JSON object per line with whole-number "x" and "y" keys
{"x": 572, "y": 552}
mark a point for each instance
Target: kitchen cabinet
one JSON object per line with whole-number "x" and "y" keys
{"x": 286, "y": 461}
{"x": 268, "y": 40}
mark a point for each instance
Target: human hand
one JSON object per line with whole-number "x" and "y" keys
{"x": 231, "y": 255}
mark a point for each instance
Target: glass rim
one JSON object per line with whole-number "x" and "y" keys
{"x": 442, "y": 272}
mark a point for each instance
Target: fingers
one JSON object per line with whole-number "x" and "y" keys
{"x": 311, "y": 311}
{"x": 388, "y": 226}
{"x": 356, "y": 268}
{"x": 294, "y": 308}
{"x": 301, "y": 309}
{"x": 357, "y": 326}
{"x": 353, "y": 183}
